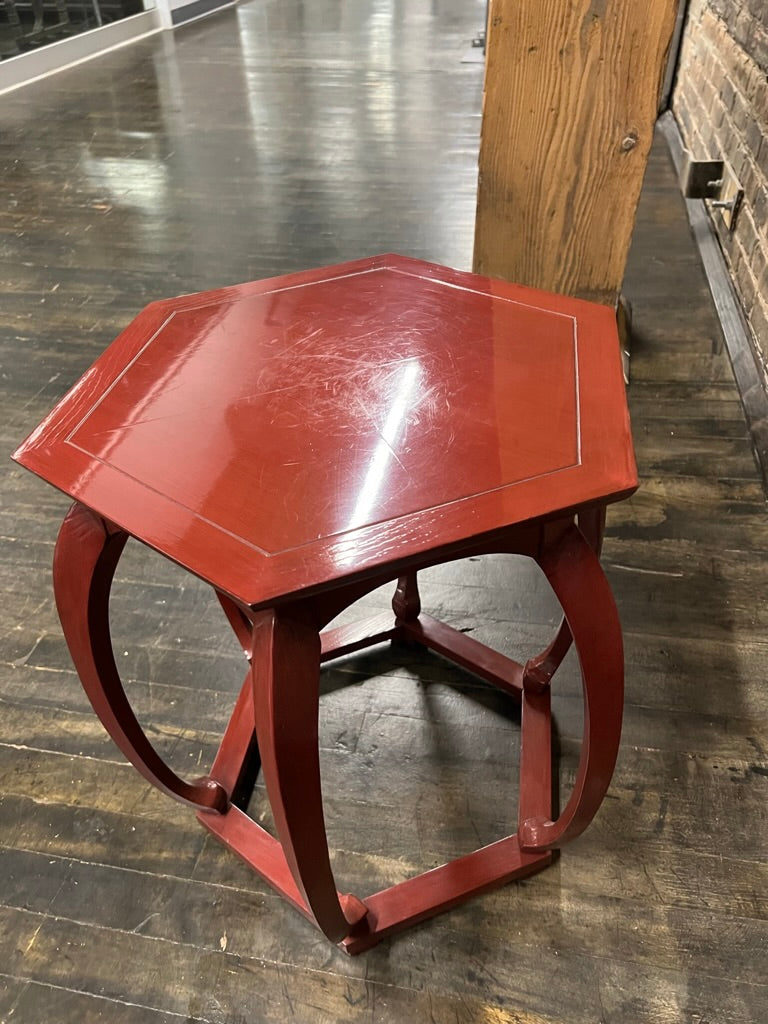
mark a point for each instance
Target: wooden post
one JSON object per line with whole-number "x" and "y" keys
{"x": 571, "y": 97}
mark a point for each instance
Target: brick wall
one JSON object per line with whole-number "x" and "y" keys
{"x": 721, "y": 105}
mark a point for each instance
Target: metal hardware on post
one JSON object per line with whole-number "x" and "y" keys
{"x": 715, "y": 182}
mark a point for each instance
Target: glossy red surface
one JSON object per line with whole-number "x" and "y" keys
{"x": 278, "y": 435}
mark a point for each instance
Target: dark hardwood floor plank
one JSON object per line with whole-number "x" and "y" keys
{"x": 352, "y": 701}
{"x": 194, "y": 979}
{"x": 11, "y": 992}
{"x": 659, "y": 797}
{"x": 645, "y": 933}
{"x": 97, "y": 836}
{"x": 40, "y": 1001}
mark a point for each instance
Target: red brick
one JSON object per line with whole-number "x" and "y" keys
{"x": 762, "y": 283}
{"x": 742, "y": 29}
{"x": 745, "y": 282}
{"x": 730, "y": 139}
{"x": 758, "y": 47}
{"x": 759, "y": 11}
{"x": 718, "y": 116}
{"x": 762, "y": 157}
{"x": 727, "y": 93}
{"x": 760, "y": 207}
{"x": 745, "y": 287}
{"x": 746, "y": 234}
{"x": 760, "y": 269}
{"x": 750, "y": 180}
{"x": 737, "y": 158}
{"x": 758, "y": 321}
{"x": 753, "y": 135}
{"x": 741, "y": 113}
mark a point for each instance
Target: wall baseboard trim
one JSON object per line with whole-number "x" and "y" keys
{"x": 736, "y": 331}
{"x": 197, "y": 10}
{"x": 65, "y": 53}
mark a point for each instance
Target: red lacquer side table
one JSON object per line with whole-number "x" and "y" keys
{"x": 296, "y": 443}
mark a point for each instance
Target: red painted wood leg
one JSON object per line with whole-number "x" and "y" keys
{"x": 544, "y": 665}
{"x": 406, "y": 604}
{"x": 87, "y": 552}
{"x": 238, "y": 620}
{"x": 573, "y": 570}
{"x": 285, "y": 669}
{"x": 535, "y": 802}
{"x": 237, "y": 762}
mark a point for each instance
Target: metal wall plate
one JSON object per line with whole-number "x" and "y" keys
{"x": 714, "y": 181}
{"x": 701, "y": 179}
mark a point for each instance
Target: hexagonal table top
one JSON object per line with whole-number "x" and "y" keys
{"x": 275, "y": 436}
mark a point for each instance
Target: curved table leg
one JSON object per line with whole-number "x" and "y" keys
{"x": 87, "y": 552}
{"x": 240, "y": 623}
{"x": 573, "y": 570}
{"x": 544, "y": 665}
{"x": 285, "y": 669}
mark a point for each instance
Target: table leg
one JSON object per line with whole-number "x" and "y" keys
{"x": 544, "y": 665}
{"x": 571, "y": 565}
{"x": 406, "y": 604}
{"x": 87, "y": 552}
{"x": 285, "y": 670}
{"x": 280, "y": 701}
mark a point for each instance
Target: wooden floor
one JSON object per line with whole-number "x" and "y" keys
{"x": 283, "y": 135}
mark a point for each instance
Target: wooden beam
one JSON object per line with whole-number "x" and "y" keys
{"x": 571, "y": 97}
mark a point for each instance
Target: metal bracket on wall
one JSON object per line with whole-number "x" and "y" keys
{"x": 714, "y": 181}
{"x": 736, "y": 331}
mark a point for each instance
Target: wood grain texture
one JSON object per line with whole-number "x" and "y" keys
{"x": 571, "y": 93}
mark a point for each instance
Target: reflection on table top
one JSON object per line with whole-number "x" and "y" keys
{"x": 308, "y": 427}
